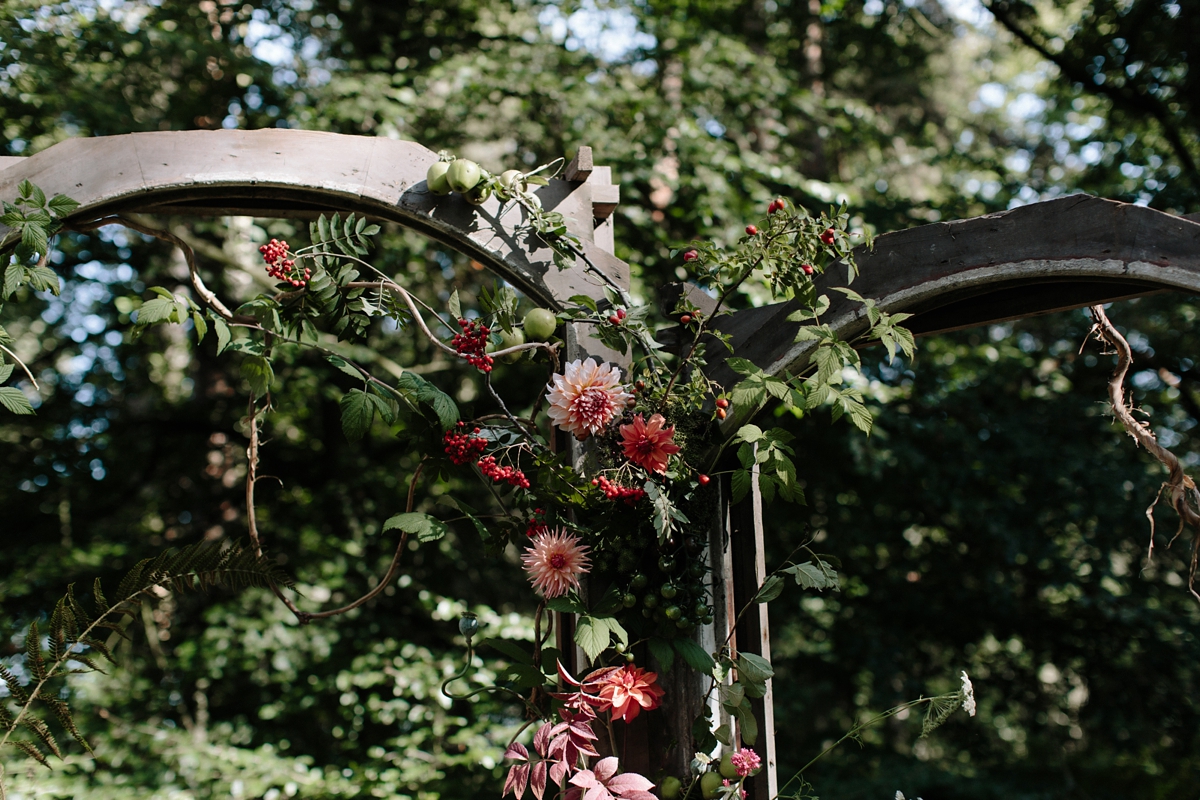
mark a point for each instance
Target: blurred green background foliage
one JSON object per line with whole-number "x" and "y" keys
{"x": 994, "y": 521}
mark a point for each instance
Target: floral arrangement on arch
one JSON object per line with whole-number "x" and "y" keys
{"x": 605, "y": 475}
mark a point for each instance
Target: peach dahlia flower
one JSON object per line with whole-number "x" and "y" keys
{"x": 586, "y": 397}
{"x": 555, "y": 561}
{"x": 649, "y": 444}
{"x": 628, "y": 690}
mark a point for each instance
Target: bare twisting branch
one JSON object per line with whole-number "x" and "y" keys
{"x": 1179, "y": 486}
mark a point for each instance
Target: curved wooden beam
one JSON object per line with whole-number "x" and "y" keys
{"x": 1065, "y": 253}
{"x": 278, "y": 172}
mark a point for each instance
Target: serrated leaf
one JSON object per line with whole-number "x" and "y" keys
{"x": 739, "y": 484}
{"x": 358, "y": 412}
{"x": 14, "y": 276}
{"x": 661, "y": 649}
{"x": 387, "y": 407}
{"x": 258, "y": 373}
{"x": 592, "y": 635}
{"x": 772, "y": 587}
{"x": 510, "y": 649}
{"x": 201, "y": 326}
{"x": 15, "y": 400}
{"x": 43, "y": 279}
{"x": 423, "y": 526}
{"x": 61, "y": 205}
{"x": 223, "y": 334}
{"x": 6, "y": 371}
{"x": 455, "y": 305}
{"x": 344, "y": 366}
{"x": 695, "y": 655}
{"x": 566, "y": 605}
{"x": 159, "y": 309}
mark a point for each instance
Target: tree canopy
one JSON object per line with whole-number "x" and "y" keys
{"x": 993, "y": 521}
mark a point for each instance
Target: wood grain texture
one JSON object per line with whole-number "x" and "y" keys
{"x": 278, "y": 172}
{"x": 1064, "y": 253}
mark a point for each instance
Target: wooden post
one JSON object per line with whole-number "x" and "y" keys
{"x": 748, "y": 571}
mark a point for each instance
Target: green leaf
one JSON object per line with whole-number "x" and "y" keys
{"x": 585, "y": 301}
{"x": 43, "y": 279}
{"x": 695, "y": 655}
{"x": 33, "y": 236}
{"x": 818, "y": 576}
{"x": 258, "y": 373}
{"x": 566, "y": 605}
{"x": 742, "y": 366}
{"x": 723, "y": 734}
{"x": 223, "y": 334}
{"x": 387, "y": 407}
{"x": 160, "y": 309}
{"x": 592, "y": 634}
{"x": 15, "y": 400}
{"x": 423, "y": 526}
{"x": 201, "y": 326}
{"x": 14, "y": 276}
{"x": 61, "y": 205}
{"x": 455, "y": 306}
{"x": 510, "y": 649}
{"x": 749, "y": 433}
{"x": 739, "y": 484}
{"x": 661, "y": 650}
{"x": 345, "y": 366}
{"x": 358, "y": 412}
{"x": 771, "y": 588}
{"x": 755, "y": 667}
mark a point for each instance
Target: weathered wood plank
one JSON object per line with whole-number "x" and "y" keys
{"x": 753, "y": 635}
{"x": 1063, "y": 253}
{"x": 302, "y": 173}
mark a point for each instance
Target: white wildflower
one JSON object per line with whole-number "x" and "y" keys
{"x": 968, "y": 695}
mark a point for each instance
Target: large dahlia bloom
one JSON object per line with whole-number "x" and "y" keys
{"x": 628, "y": 690}
{"x": 649, "y": 444}
{"x": 555, "y": 561}
{"x": 585, "y": 397}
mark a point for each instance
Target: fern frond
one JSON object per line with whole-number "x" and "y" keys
{"x": 15, "y": 689}
{"x": 31, "y": 750}
{"x": 100, "y": 600}
{"x": 97, "y": 645}
{"x": 63, "y": 713}
{"x": 42, "y": 731}
{"x": 34, "y": 661}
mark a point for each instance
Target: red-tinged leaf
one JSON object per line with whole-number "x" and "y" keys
{"x": 541, "y": 739}
{"x": 574, "y": 793}
{"x": 598, "y": 792}
{"x": 582, "y": 731}
{"x": 537, "y": 780}
{"x": 558, "y": 771}
{"x": 585, "y": 779}
{"x": 639, "y": 796}
{"x": 517, "y": 751}
{"x": 606, "y": 768}
{"x": 566, "y": 676}
{"x": 628, "y": 783}
{"x": 518, "y": 777}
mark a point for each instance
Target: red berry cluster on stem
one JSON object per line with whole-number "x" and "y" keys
{"x": 462, "y": 447}
{"x": 827, "y": 236}
{"x": 282, "y": 268}
{"x": 472, "y": 344}
{"x": 488, "y": 466}
{"x": 630, "y": 494}
{"x": 537, "y": 524}
{"x": 618, "y": 317}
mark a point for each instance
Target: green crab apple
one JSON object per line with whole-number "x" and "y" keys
{"x": 540, "y": 324}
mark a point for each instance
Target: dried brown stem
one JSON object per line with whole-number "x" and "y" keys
{"x": 205, "y": 294}
{"x": 1179, "y": 486}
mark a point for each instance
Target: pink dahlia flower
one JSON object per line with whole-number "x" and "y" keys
{"x": 628, "y": 690}
{"x": 648, "y": 444}
{"x": 555, "y": 562}
{"x": 586, "y": 397}
{"x": 745, "y": 761}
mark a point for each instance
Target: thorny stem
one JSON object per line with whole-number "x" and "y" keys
{"x": 1185, "y": 498}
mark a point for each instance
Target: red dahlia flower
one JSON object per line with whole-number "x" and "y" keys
{"x": 648, "y": 444}
{"x": 628, "y": 690}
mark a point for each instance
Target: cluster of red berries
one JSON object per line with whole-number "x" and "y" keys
{"x": 778, "y": 204}
{"x": 827, "y": 236}
{"x": 537, "y": 525}
{"x": 498, "y": 474}
{"x": 472, "y": 344}
{"x": 630, "y": 494}
{"x": 282, "y": 268}
{"x": 463, "y": 447}
{"x": 618, "y": 317}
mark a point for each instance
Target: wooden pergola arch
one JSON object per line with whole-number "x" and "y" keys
{"x": 1060, "y": 254}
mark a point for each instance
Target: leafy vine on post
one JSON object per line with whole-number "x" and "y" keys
{"x": 633, "y": 515}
